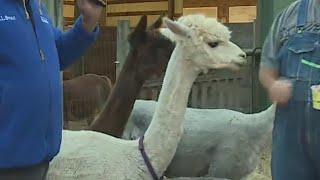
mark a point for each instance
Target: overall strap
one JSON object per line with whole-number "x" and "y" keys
{"x": 302, "y": 13}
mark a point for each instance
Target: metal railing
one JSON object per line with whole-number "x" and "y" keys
{"x": 239, "y": 91}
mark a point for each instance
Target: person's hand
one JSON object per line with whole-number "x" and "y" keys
{"x": 91, "y": 13}
{"x": 280, "y": 91}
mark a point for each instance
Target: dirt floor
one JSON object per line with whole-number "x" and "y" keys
{"x": 263, "y": 170}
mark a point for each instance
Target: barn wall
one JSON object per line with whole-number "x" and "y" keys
{"x": 134, "y": 11}
{"x": 100, "y": 58}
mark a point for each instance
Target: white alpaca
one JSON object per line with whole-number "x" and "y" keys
{"x": 201, "y": 43}
{"x": 218, "y": 142}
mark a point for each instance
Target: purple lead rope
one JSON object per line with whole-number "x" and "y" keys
{"x": 147, "y": 160}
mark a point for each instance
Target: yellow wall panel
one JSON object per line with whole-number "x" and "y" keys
{"x": 68, "y": 11}
{"x": 242, "y": 14}
{"x": 207, "y": 11}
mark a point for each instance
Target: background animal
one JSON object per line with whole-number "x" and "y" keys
{"x": 219, "y": 142}
{"x": 148, "y": 56}
{"x": 201, "y": 45}
{"x": 84, "y": 97}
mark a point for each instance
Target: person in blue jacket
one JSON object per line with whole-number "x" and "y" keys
{"x": 290, "y": 66}
{"x": 32, "y": 54}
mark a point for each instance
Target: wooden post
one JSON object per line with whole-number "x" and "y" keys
{"x": 171, "y": 9}
{"x": 223, "y": 11}
{"x": 178, "y": 8}
{"x": 58, "y": 19}
{"x": 50, "y": 8}
{"x": 103, "y": 18}
{"x": 58, "y": 11}
{"x": 123, "y": 30}
{"x": 55, "y": 10}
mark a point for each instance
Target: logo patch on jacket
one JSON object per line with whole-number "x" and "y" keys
{"x": 44, "y": 20}
{"x": 7, "y": 18}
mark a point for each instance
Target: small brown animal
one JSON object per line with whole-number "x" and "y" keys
{"x": 84, "y": 97}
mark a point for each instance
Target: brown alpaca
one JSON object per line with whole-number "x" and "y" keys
{"x": 148, "y": 56}
{"x": 84, "y": 97}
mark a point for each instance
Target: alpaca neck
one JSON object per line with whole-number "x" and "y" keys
{"x": 114, "y": 116}
{"x": 166, "y": 128}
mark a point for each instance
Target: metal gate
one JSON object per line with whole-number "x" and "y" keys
{"x": 239, "y": 91}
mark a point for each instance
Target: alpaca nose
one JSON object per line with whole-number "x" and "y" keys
{"x": 243, "y": 55}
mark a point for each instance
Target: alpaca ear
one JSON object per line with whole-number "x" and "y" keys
{"x": 157, "y": 24}
{"x": 139, "y": 33}
{"x": 142, "y": 25}
{"x": 177, "y": 28}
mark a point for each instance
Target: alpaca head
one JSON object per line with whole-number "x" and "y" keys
{"x": 205, "y": 42}
{"x": 150, "y": 51}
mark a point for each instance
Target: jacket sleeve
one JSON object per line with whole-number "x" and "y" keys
{"x": 71, "y": 45}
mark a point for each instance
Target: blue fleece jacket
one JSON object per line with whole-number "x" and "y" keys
{"x": 31, "y": 57}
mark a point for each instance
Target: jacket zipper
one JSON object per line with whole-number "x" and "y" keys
{"x": 30, "y": 17}
{"x": 42, "y": 58}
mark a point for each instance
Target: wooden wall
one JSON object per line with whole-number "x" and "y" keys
{"x": 225, "y": 10}
{"x": 133, "y": 11}
{"x": 234, "y": 11}
{"x": 130, "y": 10}
{"x": 103, "y": 62}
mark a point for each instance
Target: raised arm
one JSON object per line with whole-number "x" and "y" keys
{"x": 72, "y": 44}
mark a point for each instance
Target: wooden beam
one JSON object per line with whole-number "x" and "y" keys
{"x": 131, "y": 1}
{"x": 216, "y": 3}
{"x": 177, "y": 15}
{"x": 68, "y": 2}
{"x": 68, "y": 19}
{"x": 71, "y": 3}
{"x": 233, "y": 3}
{"x": 136, "y": 13}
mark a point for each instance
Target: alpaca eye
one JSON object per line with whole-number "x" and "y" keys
{"x": 213, "y": 44}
